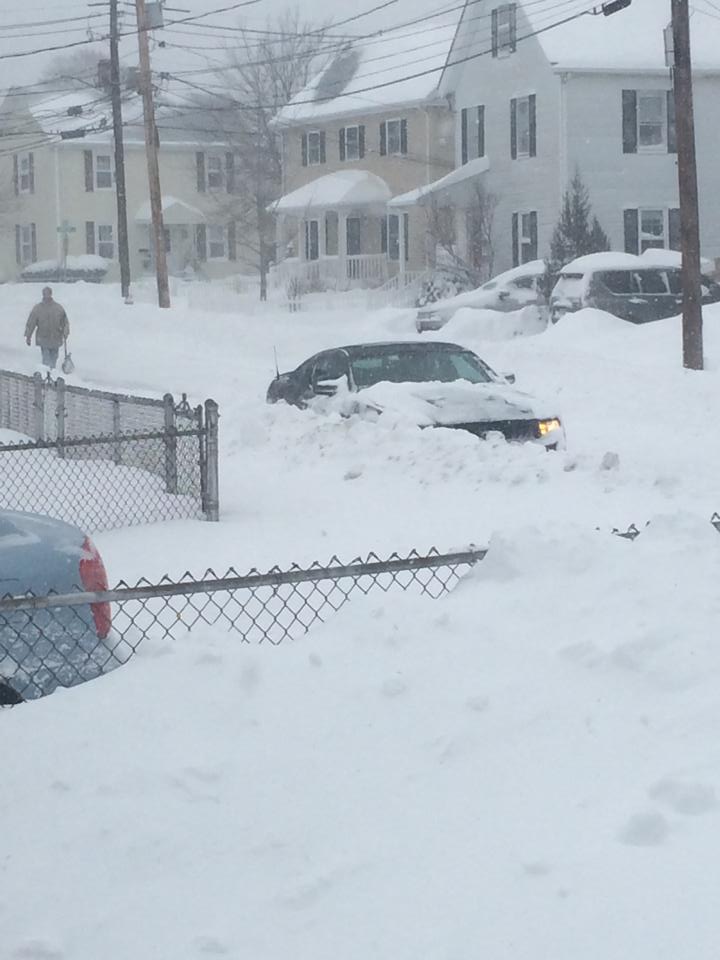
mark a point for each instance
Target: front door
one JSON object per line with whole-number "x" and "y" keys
{"x": 353, "y": 236}
{"x": 312, "y": 240}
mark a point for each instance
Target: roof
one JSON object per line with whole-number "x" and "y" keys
{"x": 376, "y": 73}
{"x": 344, "y": 188}
{"x": 608, "y": 260}
{"x": 174, "y": 212}
{"x": 451, "y": 185}
{"x": 631, "y": 39}
{"x": 360, "y": 349}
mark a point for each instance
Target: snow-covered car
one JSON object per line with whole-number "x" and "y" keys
{"x": 44, "y": 648}
{"x": 432, "y": 384}
{"x": 637, "y": 289}
{"x": 509, "y": 291}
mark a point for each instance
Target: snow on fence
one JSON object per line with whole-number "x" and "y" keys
{"x": 105, "y": 460}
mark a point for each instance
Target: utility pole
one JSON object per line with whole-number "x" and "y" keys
{"x": 120, "y": 192}
{"x": 688, "y": 188}
{"x": 151, "y": 152}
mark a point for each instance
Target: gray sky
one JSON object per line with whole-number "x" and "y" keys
{"x": 24, "y": 70}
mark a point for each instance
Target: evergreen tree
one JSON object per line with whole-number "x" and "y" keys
{"x": 577, "y": 231}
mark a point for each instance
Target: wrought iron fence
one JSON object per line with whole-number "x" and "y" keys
{"x": 61, "y": 640}
{"x": 147, "y": 460}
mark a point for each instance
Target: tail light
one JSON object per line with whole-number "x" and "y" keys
{"x": 94, "y": 580}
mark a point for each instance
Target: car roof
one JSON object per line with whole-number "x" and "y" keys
{"x": 425, "y": 346}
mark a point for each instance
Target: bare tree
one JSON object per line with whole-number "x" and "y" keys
{"x": 263, "y": 75}
{"x": 473, "y": 258}
{"x": 77, "y": 69}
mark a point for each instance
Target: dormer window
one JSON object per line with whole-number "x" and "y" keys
{"x": 504, "y": 30}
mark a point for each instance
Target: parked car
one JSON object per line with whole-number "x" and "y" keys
{"x": 441, "y": 384}
{"x": 58, "y": 646}
{"x": 512, "y": 290}
{"x": 637, "y": 289}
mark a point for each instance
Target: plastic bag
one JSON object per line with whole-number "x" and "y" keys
{"x": 67, "y": 365}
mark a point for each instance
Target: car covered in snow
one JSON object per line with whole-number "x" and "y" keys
{"x": 509, "y": 291}
{"x": 433, "y": 384}
{"x": 634, "y": 288}
{"x": 47, "y": 647}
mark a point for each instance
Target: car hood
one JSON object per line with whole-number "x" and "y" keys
{"x": 447, "y": 404}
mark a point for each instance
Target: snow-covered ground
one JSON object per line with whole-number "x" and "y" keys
{"x": 526, "y": 768}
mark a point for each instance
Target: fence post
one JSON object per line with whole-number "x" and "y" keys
{"x": 39, "y": 406}
{"x": 170, "y": 441}
{"x": 60, "y": 415}
{"x": 212, "y": 492}
{"x": 117, "y": 446}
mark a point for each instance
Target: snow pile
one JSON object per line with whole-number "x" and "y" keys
{"x": 493, "y": 325}
{"x": 505, "y": 767}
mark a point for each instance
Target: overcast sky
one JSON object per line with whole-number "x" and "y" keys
{"x": 15, "y": 38}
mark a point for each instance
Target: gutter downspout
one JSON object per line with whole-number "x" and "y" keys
{"x": 563, "y": 144}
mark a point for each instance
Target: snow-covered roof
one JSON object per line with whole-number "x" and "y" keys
{"x": 343, "y": 189}
{"x": 377, "y": 73}
{"x": 456, "y": 179}
{"x": 661, "y": 257}
{"x": 174, "y": 212}
{"x": 631, "y": 39}
{"x": 608, "y": 260}
{"x": 88, "y": 109}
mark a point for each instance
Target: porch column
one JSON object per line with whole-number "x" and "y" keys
{"x": 342, "y": 247}
{"x": 402, "y": 239}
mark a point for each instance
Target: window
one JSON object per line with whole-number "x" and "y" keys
{"x": 105, "y": 243}
{"x": 314, "y": 147}
{"x": 312, "y": 240}
{"x": 651, "y": 228}
{"x": 25, "y": 173}
{"x": 648, "y": 121}
{"x": 103, "y": 171}
{"x": 216, "y": 242}
{"x": 523, "y": 127}
{"x": 472, "y": 133}
{"x": 352, "y": 143}
{"x": 524, "y": 237}
{"x": 393, "y": 138}
{"x": 25, "y": 244}
{"x": 504, "y": 30}
{"x": 214, "y": 167}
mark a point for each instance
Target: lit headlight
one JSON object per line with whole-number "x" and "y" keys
{"x": 547, "y": 426}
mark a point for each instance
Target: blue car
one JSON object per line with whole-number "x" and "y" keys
{"x": 45, "y": 648}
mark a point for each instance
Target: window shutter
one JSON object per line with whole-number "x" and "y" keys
{"x": 481, "y": 131}
{"x": 513, "y": 27}
{"x": 361, "y": 140}
{"x": 31, "y": 173}
{"x": 88, "y": 158}
{"x": 304, "y": 149}
{"x": 671, "y": 131}
{"x": 232, "y": 240}
{"x": 201, "y": 241}
{"x": 342, "y": 143}
{"x": 406, "y": 229}
{"x": 322, "y": 146}
{"x": 18, "y": 245}
{"x": 383, "y": 139}
{"x": 403, "y": 137}
{"x": 533, "y": 125}
{"x": 674, "y": 228}
{"x": 513, "y": 130}
{"x": 200, "y": 171}
{"x": 515, "y": 238}
{"x": 463, "y": 136}
{"x": 230, "y": 172}
{"x": 632, "y": 231}
{"x": 494, "y": 21}
{"x": 383, "y": 235}
{"x": 533, "y": 235}
{"x": 629, "y": 121}
{"x": 89, "y": 236}
{"x": 33, "y": 242}
{"x": 16, "y": 177}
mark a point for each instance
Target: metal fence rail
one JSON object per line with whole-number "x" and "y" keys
{"x": 52, "y": 640}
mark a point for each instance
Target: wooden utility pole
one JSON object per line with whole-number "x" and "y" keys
{"x": 688, "y": 188}
{"x": 151, "y": 152}
{"x": 120, "y": 192}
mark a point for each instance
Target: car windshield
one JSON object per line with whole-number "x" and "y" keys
{"x": 406, "y": 365}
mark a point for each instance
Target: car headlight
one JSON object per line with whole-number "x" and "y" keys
{"x": 547, "y": 426}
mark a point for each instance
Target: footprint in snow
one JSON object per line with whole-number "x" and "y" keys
{"x": 36, "y": 950}
{"x": 685, "y": 797}
{"x": 644, "y": 830}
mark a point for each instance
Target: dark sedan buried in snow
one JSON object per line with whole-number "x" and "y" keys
{"x": 437, "y": 384}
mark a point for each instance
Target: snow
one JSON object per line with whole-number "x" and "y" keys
{"x": 657, "y": 257}
{"x": 174, "y": 211}
{"x": 379, "y": 81}
{"x": 456, "y": 178}
{"x": 509, "y": 766}
{"x": 83, "y": 261}
{"x": 344, "y": 188}
{"x": 608, "y": 260}
{"x": 629, "y": 40}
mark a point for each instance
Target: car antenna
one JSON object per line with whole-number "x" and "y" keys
{"x": 277, "y": 368}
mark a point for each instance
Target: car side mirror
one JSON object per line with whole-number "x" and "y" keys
{"x": 508, "y": 377}
{"x": 325, "y": 388}
{"x": 503, "y": 295}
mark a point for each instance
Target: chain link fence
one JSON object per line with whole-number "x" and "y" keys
{"x": 62, "y": 640}
{"x": 104, "y": 460}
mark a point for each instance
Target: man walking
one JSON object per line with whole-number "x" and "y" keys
{"x": 49, "y": 322}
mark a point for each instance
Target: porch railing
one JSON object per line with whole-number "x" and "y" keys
{"x": 337, "y": 273}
